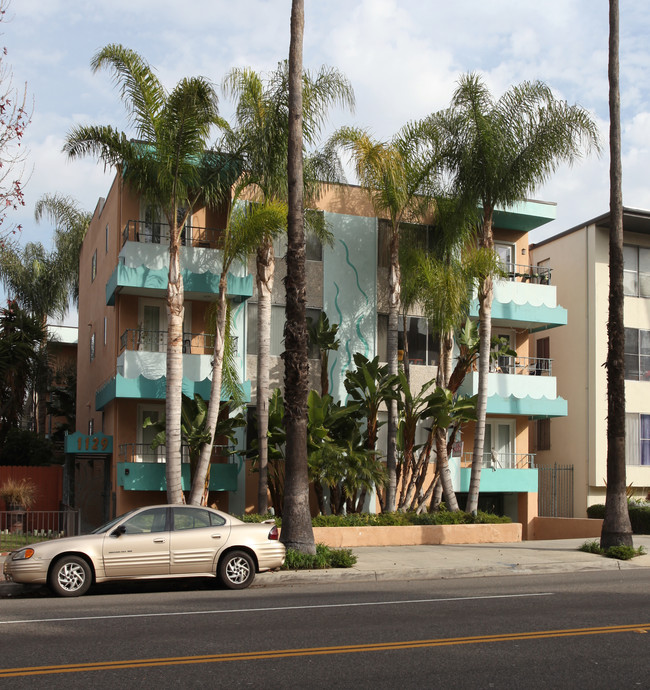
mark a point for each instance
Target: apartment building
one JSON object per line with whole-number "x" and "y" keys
{"x": 580, "y": 261}
{"x": 122, "y": 331}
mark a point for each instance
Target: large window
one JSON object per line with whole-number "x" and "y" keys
{"x": 423, "y": 348}
{"x": 637, "y": 439}
{"x": 277, "y": 330}
{"x": 636, "y": 276}
{"x": 637, "y": 354}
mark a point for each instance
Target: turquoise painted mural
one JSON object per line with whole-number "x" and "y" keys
{"x": 350, "y": 291}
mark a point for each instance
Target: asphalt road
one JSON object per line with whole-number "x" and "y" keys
{"x": 587, "y": 630}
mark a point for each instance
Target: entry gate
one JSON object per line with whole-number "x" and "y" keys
{"x": 555, "y": 491}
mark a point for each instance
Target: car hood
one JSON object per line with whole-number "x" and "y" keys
{"x": 45, "y": 549}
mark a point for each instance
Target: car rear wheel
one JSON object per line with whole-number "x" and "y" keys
{"x": 70, "y": 577}
{"x": 236, "y": 570}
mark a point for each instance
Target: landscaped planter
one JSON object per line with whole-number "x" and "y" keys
{"x": 413, "y": 535}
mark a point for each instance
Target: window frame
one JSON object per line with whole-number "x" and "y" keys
{"x": 636, "y": 273}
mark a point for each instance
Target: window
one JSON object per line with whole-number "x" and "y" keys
{"x": 146, "y": 522}
{"x": 423, "y": 348}
{"x": 637, "y": 439}
{"x": 195, "y": 518}
{"x": 543, "y": 434}
{"x": 410, "y": 234}
{"x": 636, "y": 272}
{"x": 92, "y": 347}
{"x": 637, "y": 355}
{"x": 105, "y": 330}
{"x": 93, "y": 267}
{"x": 107, "y": 238}
{"x": 276, "y": 346}
{"x": 506, "y": 253}
{"x": 91, "y": 427}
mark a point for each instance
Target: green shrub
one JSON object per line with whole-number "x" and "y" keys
{"x": 592, "y": 547}
{"x": 442, "y": 517}
{"x": 639, "y": 516}
{"x": 256, "y": 517}
{"x": 325, "y": 558}
{"x": 624, "y": 553}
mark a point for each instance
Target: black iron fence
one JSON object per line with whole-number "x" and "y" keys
{"x": 158, "y": 233}
{"x": 555, "y": 491}
{"x": 21, "y": 527}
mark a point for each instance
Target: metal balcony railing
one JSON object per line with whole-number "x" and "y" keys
{"x": 156, "y": 341}
{"x": 533, "y": 366}
{"x": 142, "y": 452}
{"x": 158, "y": 233}
{"x": 528, "y": 274}
{"x": 503, "y": 461}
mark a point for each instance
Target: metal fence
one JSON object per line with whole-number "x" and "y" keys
{"x": 20, "y": 527}
{"x": 555, "y": 491}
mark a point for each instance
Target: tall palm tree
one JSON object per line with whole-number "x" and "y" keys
{"x": 241, "y": 236}
{"x": 616, "y": 530}
{"x": 500, "y": 151}
{"x": 260, "y": 134}
{"x": 169, "y": 165}
{"x": 397, "y": 179}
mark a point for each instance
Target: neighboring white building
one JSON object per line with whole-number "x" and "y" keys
{"x": 580, "y": 261}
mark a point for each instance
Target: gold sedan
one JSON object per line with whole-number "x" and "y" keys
{"x": 153, "y": 542}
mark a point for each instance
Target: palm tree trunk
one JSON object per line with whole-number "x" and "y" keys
{"x": 443, "y": 468}
{"x": 297, "y": 532}
{"x": 485, "y": 295}
{"x": 616, "y": 530}
{"x": 393, "y": 315}
{"x": 198, "y": 481}
{"x": 265, "y": 275}
{"x": 174, "y": 371}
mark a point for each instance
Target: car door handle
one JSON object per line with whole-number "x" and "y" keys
{"x": 216, "y": 536}
{"x": 158, "y": 541}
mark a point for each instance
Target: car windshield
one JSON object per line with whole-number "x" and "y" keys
{"x": 109, "y": 525}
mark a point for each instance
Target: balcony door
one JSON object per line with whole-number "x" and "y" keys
{"x": 499, "y": 443}
{"x": 145, "y": 436}
{"x": 152, "y": 318}
{"x": 506, "y": 254}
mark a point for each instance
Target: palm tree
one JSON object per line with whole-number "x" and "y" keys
{"x": 241, "y": 236}
{"x": 44, "y": 282}
{"x": 260, "y": 134}
{"x": 616, "y": 530}
{"x": 170, "y": 166}
{"x": 498, "y": 153}
{"x": 397, "y": 179}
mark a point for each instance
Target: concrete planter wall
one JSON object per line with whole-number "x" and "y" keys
{"x": 564, "y": 528}
{"x": 414, "y": 535}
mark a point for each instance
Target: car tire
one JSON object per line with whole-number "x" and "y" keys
{"x": 236, "y": 570}
{"x": 70, "y": 577}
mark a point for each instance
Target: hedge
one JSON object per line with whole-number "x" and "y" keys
{"x": 639, "y": 516}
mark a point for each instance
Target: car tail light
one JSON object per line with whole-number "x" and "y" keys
{"x": 274, "y": 533}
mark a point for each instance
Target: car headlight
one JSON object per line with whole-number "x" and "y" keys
{"x": 22, "y": 555}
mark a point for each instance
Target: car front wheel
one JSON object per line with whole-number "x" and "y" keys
{"x": 70, "y": 577}
{"x": 236, "y": 570}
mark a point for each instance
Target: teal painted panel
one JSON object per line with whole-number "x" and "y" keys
{"x": 150, "y": 476}
{"x": 156, "y": 279}
{"x": 142, "y": 388}
{"x": 350, "y": 292}
{"x": 531, "y": 407}
{"x": 501, "y": 481}
{"x": 547, "y": 317}
{"x": 525, "y": 215}
{"x": 88, "y": 444}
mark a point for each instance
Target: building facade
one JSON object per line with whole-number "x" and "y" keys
{"x": 123, "y": 329}
{"x": 580, "y": 261}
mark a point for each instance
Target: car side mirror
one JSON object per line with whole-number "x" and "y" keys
{"x": 118, "y": 531}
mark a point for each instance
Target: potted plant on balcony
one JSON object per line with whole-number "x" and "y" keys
{"x": 18, "y": 494}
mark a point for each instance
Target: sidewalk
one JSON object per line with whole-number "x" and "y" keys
{"x": 383, "y": 563}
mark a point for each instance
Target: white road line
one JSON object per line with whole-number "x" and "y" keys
{"x": 270, "y": 608}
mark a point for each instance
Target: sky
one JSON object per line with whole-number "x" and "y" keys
{"x": 402, "y": 57}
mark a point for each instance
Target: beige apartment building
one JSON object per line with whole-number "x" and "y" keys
{"x": 580, "y": 269}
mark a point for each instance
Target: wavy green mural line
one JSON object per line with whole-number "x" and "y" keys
{"x": 346, "y": 366}
{"x": 360, "y": 319}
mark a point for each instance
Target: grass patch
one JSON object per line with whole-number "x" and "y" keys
{"x": 11, "y": 542}
{"x": 325, "y": 557}
{"x": 622, "y": 553}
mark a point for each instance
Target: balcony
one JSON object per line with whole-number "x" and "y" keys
{"x": 505, "y": 473}
{"x": 142, "y": 469}
{"x": 519, "y": 386}
{"x": 143, "y": 264}
{"x": 141, "y": 368}
{"x": 525, "y": 299}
